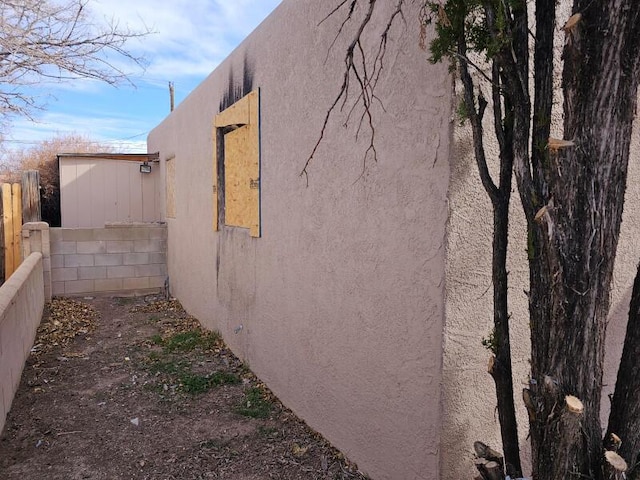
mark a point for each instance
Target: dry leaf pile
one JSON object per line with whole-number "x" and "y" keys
{"x": 63, "y": 320}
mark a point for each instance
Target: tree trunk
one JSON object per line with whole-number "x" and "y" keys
{"x": 624, "y": 420}
{"x": 574, "y": 238}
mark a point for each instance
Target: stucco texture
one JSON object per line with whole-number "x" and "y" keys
{"x": 339, "y": 306}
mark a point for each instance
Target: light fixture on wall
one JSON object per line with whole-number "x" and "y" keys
{"x": 145, "y": 167}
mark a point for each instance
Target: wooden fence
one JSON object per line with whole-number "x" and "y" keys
{"x": 11, "y": 226}
{"x": 19, "y": 203}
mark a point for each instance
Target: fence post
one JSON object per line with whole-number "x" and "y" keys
{"x": 16, "y": 204}
{"x": 31, "y": 210}
{"x": 35, "y": 238}
{"x": 7, "y": 224}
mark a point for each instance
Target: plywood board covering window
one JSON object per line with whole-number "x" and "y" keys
{"x": 171, "y": 187}
{"x": 237, "y": 149}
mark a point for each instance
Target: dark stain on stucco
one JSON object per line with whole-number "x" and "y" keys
{"x": 238, "y": 87}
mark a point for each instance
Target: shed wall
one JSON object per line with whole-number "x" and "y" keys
{"x": 96, "y": 191}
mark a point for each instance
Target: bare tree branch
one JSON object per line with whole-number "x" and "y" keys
{"x": 357, "y": 67}
{"x": 44, "y": 39}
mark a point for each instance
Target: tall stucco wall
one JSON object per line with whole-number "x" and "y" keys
{"x": 341, "y": 301}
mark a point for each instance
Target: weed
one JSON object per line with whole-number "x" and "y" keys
{"x": 157, "y": 339}
{"x": 254, "y": 405}
{"x": 194, "y": 383}
{"x": 170, "y": 367}
{"x": 190, "y": 340}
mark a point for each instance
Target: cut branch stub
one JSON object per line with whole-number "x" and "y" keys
{"x": 556, "y": 144}
{"x": 485, "y": 451}
{"x": 572, "y": 22}
{"x": 612, "y": 442}
{"x": 574, "y": 404}
{"x": 614, "y": 466}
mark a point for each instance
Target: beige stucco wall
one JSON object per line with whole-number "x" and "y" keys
{"x": 341, "y": 301}
{"x": 94, "y": 191}
{"x": 21, "y": 305}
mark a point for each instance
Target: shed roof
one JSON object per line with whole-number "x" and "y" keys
{"x": 132, "y": 157}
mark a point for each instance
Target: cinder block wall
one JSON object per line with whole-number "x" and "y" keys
{"x": 120, "y": 258}
{"x": 21, "y": 305}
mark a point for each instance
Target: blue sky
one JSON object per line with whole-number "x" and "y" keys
{"x": 191, "y": 38}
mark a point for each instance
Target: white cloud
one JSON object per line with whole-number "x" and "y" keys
{"x": 121, "y": 132}
{"x": 191, "y": 37}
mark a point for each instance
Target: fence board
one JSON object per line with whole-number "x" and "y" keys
{"x": 16, "y": 201}
{"x": 7, "y": 223}
{"x": 11, "y": 226}
{"x": 31, "y": 211}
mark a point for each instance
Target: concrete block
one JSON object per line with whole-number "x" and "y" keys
{"x": 135, "y": 283}
{"x": 55, "y": 234}
{"x": 107, "y": 234}
{"x": 158, "y": 233}
{"x": 108, "y": 285}
{"x": 95, "y": 246}
{"x": 135, "y": 233}
{"x": 78, "y": 286}
{"x": 46, "y": 243}
{"x": 156, "y": 282}
{"x": 121, "y": 271}
{"x": 91, "y": 273}
{"x": 120, "y": 246}
{"x": 64, "y": 274}
{"x": 107, "y": 259}
{"x": 77, "y": 234}
{"x": 57, "y": 288}
{"x": 63, "y": 248}
{"x": 158, "y": 257}
{"x": 135, "y": 258}
{"x": 150, "y": 246}
{"x": 155, "y": 270}
{"x": 57, "y": 261}
{"x": 78, "y": 260}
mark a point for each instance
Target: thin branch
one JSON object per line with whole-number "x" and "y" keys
{"x": 366, "y": 75}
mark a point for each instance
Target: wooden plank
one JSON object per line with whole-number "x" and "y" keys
{"x": 16, "y": 194}
{"x": 241, "y": 160}
{"x": 8, "y": 229}
{"x": 31, "y": 210}
{"x": 237, "y": 187}
{"x": 236, "y": 114}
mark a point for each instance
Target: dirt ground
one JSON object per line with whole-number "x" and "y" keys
{"x": 121, "y": 388}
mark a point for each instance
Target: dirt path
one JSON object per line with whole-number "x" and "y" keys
{"x": 122, "y": 388}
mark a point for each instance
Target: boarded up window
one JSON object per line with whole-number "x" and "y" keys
{"x": 236, "y": 196}
{"x": 170, "y": 187}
